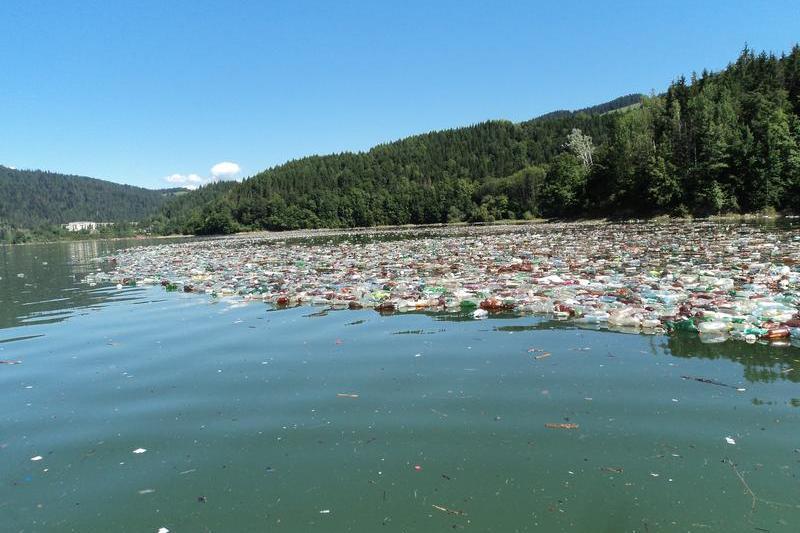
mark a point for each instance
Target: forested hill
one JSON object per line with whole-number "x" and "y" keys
{"x": 431, "y": 177}
{"x": 617, "y": 104}
{"x": 33, "y": 198}
{"x": 717, "y": 142}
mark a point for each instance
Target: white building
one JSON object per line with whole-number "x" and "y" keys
{"x": 84, "y": 225}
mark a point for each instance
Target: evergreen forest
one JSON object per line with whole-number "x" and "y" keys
{"x": 713, "y": 143}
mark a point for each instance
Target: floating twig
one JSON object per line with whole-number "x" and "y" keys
{"x": 744, "y": 482}
{"x": 755, "y": 498}
{"x": 455, "y": 512}
{"x": 713, "y": 382}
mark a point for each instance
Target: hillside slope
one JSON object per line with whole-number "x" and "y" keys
{"x": 432, "y": 177}
{"x": 718, "y": 142}
{"x": 32, "y": 198}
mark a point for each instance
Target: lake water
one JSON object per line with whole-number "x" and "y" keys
{"x": 253, "y": 419}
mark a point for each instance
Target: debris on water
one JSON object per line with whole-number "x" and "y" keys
{"x": 139, "y": 450}
{"x": 449, "y": 511}
{"x": 714, "y": 382}
{"x": 612, "y": 469}
{"x": 720, "y": 282}
{"x": 479, "y": 314}
{"x": 561, "y": 426}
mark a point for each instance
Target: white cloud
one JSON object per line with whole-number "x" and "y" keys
{"x": 189, "y": 181}
{"x": 225, "y": 169}
{"x": 221, "y": 171}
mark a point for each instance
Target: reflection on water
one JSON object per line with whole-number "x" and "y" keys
{"x": 41, "y": 283}
{"x": 762, "y": 361}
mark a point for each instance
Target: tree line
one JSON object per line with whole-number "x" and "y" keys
{"x": 489, "y": 171}
{"x": 725, "y": 142}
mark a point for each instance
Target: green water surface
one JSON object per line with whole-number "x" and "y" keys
{"x": 299, "y": 420}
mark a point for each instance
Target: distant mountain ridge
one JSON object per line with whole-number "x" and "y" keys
{"x": 612, "y": 105}
{"x": 32, "y": 198}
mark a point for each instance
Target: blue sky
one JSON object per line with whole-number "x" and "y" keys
{"x": 138, "y": 91}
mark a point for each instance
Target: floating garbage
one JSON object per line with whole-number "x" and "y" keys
{"x": 718, "y": 281}
{"x": 561, "y": 426}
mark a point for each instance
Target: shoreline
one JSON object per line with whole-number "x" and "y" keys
{"x": 661, "y": 219}
{"x": 106, "y": 239}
